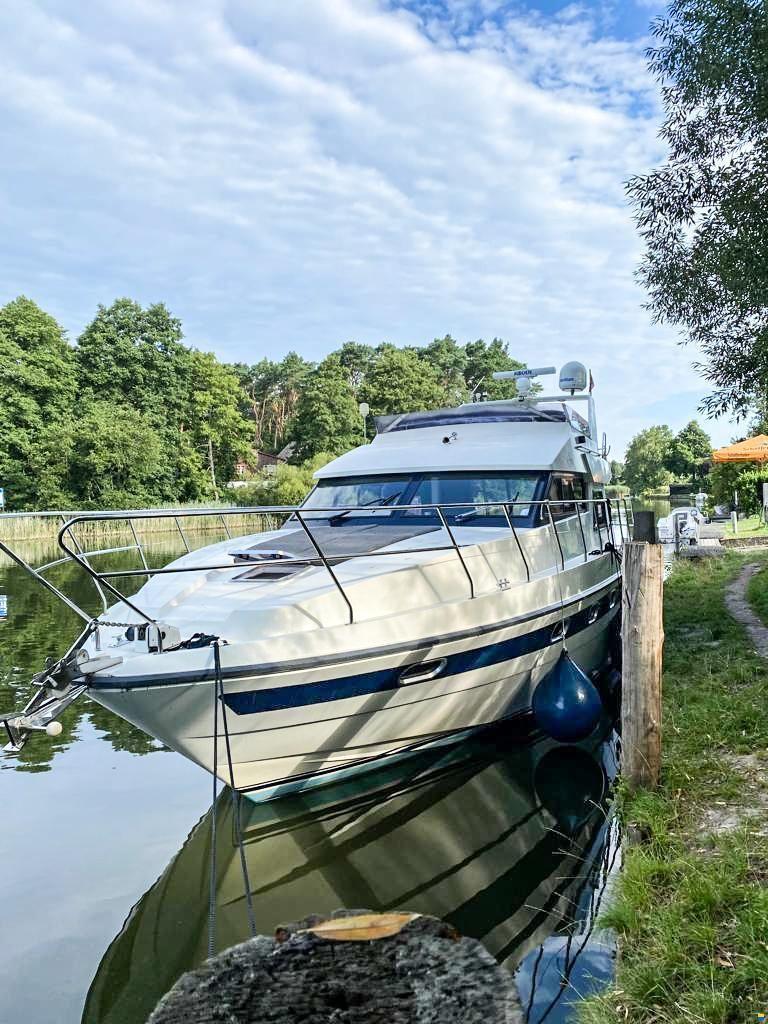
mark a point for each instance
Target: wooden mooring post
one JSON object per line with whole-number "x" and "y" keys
{"x": 642, "y": 629}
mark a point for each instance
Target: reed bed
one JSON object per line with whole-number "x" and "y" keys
{"x": 41, "y": 531}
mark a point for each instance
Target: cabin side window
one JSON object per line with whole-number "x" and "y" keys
{"x": 600, "y": 511}
{"x": 567, "y": 491}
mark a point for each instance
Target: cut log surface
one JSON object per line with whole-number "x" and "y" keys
{"x": 352, "y": 968}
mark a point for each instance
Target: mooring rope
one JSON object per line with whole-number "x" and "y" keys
{"x": 212, "y": 880}
{"x": 235, "y": 794}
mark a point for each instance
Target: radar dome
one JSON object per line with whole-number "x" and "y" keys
{"x": 573, "y": 377}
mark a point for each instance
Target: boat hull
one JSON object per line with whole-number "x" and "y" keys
{"x": 287, "y": 729}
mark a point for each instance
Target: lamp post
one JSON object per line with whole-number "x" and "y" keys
{"x": 364, "y": 410}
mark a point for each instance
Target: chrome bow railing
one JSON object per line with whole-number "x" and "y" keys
{"x": 611, "y": 522}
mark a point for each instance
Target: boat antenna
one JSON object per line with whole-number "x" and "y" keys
{"x": 524, "y": 379}
{"x": 483, "y": 395}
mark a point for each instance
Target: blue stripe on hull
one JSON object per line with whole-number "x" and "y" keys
{"x": 281, "y": 697}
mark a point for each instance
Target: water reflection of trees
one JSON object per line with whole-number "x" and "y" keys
{"x": 38, "y": 625}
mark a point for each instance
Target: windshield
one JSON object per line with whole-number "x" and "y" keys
{"x": 479, "y": 496}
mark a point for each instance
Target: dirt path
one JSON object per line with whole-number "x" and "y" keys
{"x": 739, "y": 607}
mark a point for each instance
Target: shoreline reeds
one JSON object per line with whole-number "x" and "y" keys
{"x": 42, "y": 530}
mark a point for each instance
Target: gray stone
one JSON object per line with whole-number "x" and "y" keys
{"x": 424, "y": 974}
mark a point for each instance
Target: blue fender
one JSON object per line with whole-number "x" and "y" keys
{"x": 566, "y": 704}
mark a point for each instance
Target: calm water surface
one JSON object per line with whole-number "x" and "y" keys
{"x": 105, "y": 845}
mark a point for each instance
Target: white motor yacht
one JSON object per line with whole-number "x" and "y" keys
{"x": 426, "y": 586}
{"x": 682, "y": 526}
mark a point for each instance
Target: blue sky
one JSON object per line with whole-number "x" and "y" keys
{"x": 296, "y": 174}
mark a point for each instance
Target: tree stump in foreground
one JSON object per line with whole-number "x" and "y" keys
{"x": 351, "y": 968}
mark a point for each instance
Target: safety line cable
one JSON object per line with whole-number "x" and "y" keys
{"x": 235, "y": 794}
{"x": 212, "y": 880}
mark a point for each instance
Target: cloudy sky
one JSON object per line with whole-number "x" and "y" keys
{"x": 293, "y": 174}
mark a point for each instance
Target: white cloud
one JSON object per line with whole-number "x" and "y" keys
{"x": 295, "y": 175}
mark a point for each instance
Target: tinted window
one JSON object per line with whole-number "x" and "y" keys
{"x": 481, "y": 494}
{"x": 564, "y": 492}
{"x": 383, "y": 497}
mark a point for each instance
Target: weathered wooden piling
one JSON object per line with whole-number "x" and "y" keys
{"x": 644, "y": 525}
{"x": 642, "y": 645}
{"x": 351, "y": 968}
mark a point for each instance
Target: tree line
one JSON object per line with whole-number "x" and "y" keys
{"x": 130, "y": 416}
{"x": 316, "y": 406}
{"x": 657, "y": 457}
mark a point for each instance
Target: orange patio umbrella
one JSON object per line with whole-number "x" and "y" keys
{"x": 754, "y": 449}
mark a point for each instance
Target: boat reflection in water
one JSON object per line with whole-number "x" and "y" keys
{"x": 510, "y": 842}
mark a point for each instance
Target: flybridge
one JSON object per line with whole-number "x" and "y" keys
{"x": 573, "y": 377}
{"x": 508, "y": 411}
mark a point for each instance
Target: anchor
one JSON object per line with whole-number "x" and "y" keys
{"x": 59, "y": 685}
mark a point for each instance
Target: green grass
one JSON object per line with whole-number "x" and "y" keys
{"x": 757, "y": 593}
{"x": 752, "y": 526}
{"x": 691, "y": 907}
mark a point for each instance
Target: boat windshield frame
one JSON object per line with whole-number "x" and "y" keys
{"x": 400, "y": 506}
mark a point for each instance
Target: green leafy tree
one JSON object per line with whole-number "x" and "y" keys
{"x": 213, "y": 417}
{"x": 449, "y": 359}
{"x": 327, "y": 417}
{"x": 746, "y": 479}
{"x": 645, "y": 464}
{"x": 135, "y": 355}
{"x": 117, "y": 458}
{"x": 37, "y": 403}
{"x": 690, "y": 447}
{"x": 271, "y": 391}
{"x": 483, "y": 360}
{"x": 129, "y": 355}
{"x": 357, "y": 361}
{"x": 704, "y": 213}
{"x": 400, "y": 381}
{"x": 617, "y": 471}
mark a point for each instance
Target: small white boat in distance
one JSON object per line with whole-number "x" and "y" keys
{"x": 423, "y": 589}
{"x": 682, "y": 525}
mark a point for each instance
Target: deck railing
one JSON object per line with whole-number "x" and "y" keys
{"x": 611, "y": 521}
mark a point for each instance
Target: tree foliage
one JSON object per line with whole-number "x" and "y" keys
{"x": 284, "y": 484}
{"x": 38, "y": 400}
{"x": 746, "y": 479}
{"x": 212, "y": 417}
{"x": 400, "y": 381}
{"x": 704, "y": 213}
{"x": 483, "y": 360}
{"x": 645, "y": 462}
{"x": 690, "y": 447}
{"x": 131, "y": 416}
{"x": 272, "y": 392}
{"x": 116, "y": 457}
{"x": 655, "y": 456}
{"x": 327, "y": 416}
{"x": 123, "y": 418}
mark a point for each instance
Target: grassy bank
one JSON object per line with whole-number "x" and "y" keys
{"x": 752, "y": 526}
{"x": 691, "y": 906}
{"x": 757, "y": 592}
